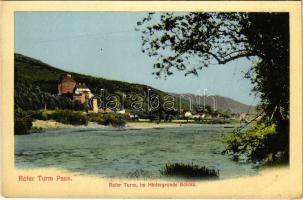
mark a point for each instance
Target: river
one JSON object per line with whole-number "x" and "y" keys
{"x": 114, "y": 152}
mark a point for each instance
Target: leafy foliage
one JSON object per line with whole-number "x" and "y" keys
{"x": 68, "y": 117}
{"x": 30, "y": 97}
{"x": 189, "y": 42}
{"x": 259, "y": 142}
{"x": 189, "y": 171}
{"x": 177, "y": 39}
{"x": 107, "y": 119}
{"x": 22, "y": 126}
{"x": 22, "y": 122}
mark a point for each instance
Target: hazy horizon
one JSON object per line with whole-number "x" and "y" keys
{"x": 105, "y": 44}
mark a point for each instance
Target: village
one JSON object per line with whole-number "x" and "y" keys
{"x": 80, "y": 92}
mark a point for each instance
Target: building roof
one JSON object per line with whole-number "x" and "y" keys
{"x": 79, "y": 88}
{"x": 108, "y": 110}
{"x": 66, "y": 78}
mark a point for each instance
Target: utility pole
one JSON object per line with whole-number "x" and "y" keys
{"x": 204, "y": 92}
{"x": 102, "y": 99}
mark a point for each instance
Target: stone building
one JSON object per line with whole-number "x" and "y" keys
{"x": 66, "y": 85}
{"x": 78, "y": 92}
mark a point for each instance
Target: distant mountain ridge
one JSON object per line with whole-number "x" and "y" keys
{"x": 36, "y": 75}
{"x": 218, "y": 102}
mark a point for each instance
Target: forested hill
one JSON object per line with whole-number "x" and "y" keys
{"x": 47, "y": 78}
{"x": 36, "y": 83}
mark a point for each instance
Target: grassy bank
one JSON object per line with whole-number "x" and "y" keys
{"x": 60, "y": 118}
{"x": 24, "y": 120}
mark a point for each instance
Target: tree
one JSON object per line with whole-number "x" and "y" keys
{"x": 189, "y": 42}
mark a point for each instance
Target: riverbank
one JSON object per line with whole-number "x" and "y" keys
{"x": 51, "y": 124}
{"x": 148, "y": 125}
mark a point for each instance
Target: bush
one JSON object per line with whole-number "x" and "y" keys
{"x": 22, "y": 126}
{"x": 34, "y": 114}
{"x": 22, "y": 121}
{"x": 259, "y": 143}
{"x": 107, "y": 119}
{"x": 68, "y": 117}
{"x": 189, "y": 171}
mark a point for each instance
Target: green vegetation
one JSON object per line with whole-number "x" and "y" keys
{"x": 37, "y": 91}
{"x": 23, "y": 126}
{"x": 260, "y": 142}
{"x": 68, "y": 117}
{"x": 221, "y": 38}
{"x": 24, "y": 119}
{"x": 107, "y": 119}
{"x": 22, "y": 122}
{"x": 189, "y": 171}
{"x": 31, "y": 97}
{"x": 33, "y": 90}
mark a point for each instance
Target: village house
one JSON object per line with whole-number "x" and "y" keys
{"x": 78, "y": 92}
{"x": 108, "y": 110}
{"x": 188, "y": 114}
{"x": 82, "y": 93}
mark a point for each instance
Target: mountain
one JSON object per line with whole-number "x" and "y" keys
{"x": 36, "y": 84}
{"x": 219, "y": 102}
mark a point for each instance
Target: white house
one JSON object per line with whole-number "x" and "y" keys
{"x": 188, "y": 114}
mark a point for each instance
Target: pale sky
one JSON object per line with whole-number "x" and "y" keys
{"x": 73, "y": 40}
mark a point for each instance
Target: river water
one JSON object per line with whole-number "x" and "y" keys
{"x": 114, "y": 152}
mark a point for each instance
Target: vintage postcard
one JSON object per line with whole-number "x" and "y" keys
{"x": 151, "y": 99}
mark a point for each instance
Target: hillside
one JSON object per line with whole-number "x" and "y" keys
{"x": 36, "y": 80}
{"x": 36, "y": 84}
{"x": 47, "y": 77}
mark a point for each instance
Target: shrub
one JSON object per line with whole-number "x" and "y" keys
{"x": 260, "y": 142}
{"x": 107, "y": 119}
{"x": 38, "y": 115}
{"x": 68, "y": 117}
{"x": 22, "y": 125}
{"x": 189, "y": 171}
{"x": 22, "y": 121}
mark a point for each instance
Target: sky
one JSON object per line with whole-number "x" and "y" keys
{"x": 105, "y": 44}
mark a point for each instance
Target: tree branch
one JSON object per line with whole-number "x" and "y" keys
{"x": 226, "y": 60}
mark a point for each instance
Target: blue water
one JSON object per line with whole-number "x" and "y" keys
{"x": 114, "y": 152}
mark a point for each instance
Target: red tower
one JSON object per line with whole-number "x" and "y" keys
{"x": 66, "y": 85}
